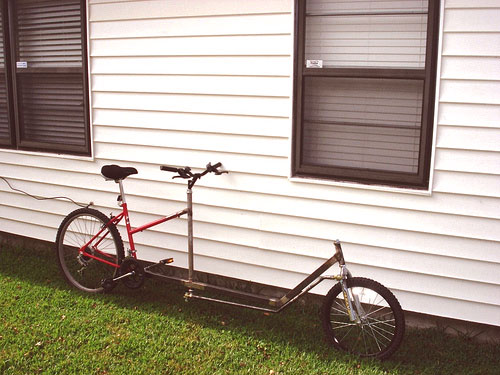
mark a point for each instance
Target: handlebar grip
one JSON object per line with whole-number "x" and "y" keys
{"x": 169, "y": 169}
{"x": 215, "y": 166}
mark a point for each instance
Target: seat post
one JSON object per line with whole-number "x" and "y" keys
{"x": 122, "y": 192}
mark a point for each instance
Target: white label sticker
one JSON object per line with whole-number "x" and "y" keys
{"x": 314, "y": 63}
{"x": 22, "y": 64}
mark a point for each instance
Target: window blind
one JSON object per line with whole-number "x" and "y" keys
{"x": 53, "y": 109}
{"x": 372, "y": 33}
{"x": 51, "y": 87}
{"x": 43, "y": 76}
{"x": 362, "y": 123}
{"x": 49, "y": 33}
{"x": 5, "y": 135}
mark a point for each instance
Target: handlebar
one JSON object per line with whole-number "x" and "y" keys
{"x": 193, "y": 177}
{"x": 168, "y": 169}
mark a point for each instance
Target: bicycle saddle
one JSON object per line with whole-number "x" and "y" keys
{"x": 115, "y": 172}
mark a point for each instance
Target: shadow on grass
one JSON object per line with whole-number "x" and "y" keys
{"x": 422, "y": 352}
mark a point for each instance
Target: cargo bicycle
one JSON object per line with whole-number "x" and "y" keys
{"x": 358, "y": 315}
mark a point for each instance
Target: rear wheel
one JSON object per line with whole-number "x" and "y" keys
{"x": 379, "y": 324}
{"x": 77, "y": 249}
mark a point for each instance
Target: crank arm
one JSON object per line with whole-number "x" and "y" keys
{"x": 131, "y": 273}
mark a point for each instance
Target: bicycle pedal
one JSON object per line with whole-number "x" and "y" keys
{"x": 167, "y": 261}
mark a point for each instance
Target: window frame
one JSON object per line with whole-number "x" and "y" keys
{"x": 14, "y": 101}
{"x": 428, "y": 75}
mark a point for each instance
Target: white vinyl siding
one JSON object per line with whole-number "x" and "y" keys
{"x": 212, "y": 81}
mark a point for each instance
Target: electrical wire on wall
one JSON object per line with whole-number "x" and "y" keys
{"x": 43, "y": 198}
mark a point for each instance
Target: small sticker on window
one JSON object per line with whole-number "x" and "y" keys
{"x": 314, "y": 63}
{"x": 22, "y": 64}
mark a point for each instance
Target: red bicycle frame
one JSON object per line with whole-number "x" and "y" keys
{"x": 115, "y": 220}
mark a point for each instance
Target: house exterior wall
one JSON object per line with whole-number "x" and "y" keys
{"x": 188, "y": 82}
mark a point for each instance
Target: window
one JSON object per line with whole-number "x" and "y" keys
{"x": 364, "y": 90}
{"x": 43, "y": 76}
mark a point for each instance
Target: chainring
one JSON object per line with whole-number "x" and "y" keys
{"x": 135, "y": 281}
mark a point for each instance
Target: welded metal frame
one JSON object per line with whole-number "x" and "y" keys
{"x": 255, "y": 301}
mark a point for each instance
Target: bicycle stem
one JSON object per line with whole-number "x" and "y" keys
{"x": 190, "y": 234}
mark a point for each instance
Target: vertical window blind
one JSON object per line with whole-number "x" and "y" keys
{"x": 362, "y": 90}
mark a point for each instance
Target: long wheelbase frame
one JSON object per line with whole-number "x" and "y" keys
{"x": 255, "y": 300}
{"x": 358, "y": 315}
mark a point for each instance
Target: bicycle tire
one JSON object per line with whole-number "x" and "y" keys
{"x": 380, "y": 328}
{"x": 83, "y": 272}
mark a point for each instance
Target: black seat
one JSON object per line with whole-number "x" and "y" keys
{"x": 115, "y": 172}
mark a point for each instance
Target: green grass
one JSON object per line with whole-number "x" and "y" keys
{"x": 47, "y": 327}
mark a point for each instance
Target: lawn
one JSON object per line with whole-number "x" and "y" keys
{"x": 47, "y": 327}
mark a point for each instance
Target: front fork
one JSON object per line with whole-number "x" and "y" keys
{"x": 349, "y": 298}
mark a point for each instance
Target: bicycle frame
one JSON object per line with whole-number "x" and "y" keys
{"x": 276, "y": 304}
{"x": 115, "y": 220}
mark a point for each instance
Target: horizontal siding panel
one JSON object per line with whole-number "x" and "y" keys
{"x": 269, "y": 45}
{"x": 259, "y": 24}
{"x": 238, "y": 144}
{"x": 470, "y": 68}
{"x": 296, "y": 263}
{"x": 207, "y": 123}
{"x": 20, "y": 228}
{"x": 480, "y": 92}
{"x": 307, "y": 237}
{"x": 195, "y": 65}
{"x": 332, "y": 212}
{"x": 468, "y": 138}
{"x": 207, "y": 85}
{"x": 275, "y": 215}
{"x": 310, "y": 229}
{"x": 450, "y": 308}
{"x": 160, "y": 9}
{"x": 255, "y": 164}
{"x": 470, "y": 20}
{"x": 426, "y": 264}
{"x": 471, "y": 44}
{"x": 473, "y": 115}
{"x": 468, "y": 184}
{"x": 359, "y": 215}
{"x": 458, "y": 289}
{"x": 222, "y": 104}
{"x": 240, "y": 179}
{"x": 468, "y": 161}
{"x": 450, "y": 4}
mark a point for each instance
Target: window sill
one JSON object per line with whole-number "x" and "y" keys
{"x": 354, "y": 185}
{"x": 48, "y": 154}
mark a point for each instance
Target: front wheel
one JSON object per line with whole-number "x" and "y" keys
{"x": 376, "y": 325}
{"x": 89, "y": 249}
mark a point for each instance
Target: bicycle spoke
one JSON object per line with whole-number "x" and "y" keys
{"x": 343, "y": 325}
{"x": 86, "y": 270}
{"x": 381, "y": 331}
{"x": 375, "y": 338}
{"x": 377, "y": 331}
